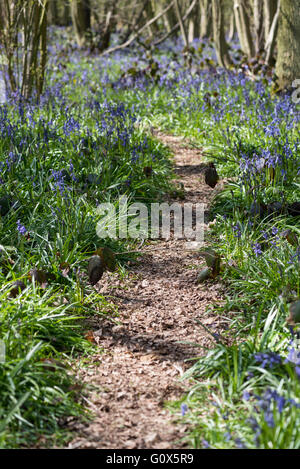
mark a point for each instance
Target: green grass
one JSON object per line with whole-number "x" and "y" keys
{"x": 88, "y": 142}
{"x": 59, "y": 161}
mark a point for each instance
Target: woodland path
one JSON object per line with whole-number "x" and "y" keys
{"x": 142, "y": 362}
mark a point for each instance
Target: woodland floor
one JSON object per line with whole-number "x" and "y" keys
{"x": 142, "y": 362}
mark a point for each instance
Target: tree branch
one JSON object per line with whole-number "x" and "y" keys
{"x": 127, "y": 43}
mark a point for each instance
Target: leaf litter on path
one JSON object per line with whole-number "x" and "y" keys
{"x": 144, "y": 356}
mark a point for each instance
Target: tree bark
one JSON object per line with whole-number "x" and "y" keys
{"x": 53, "y": 12}
{"x": 270, "y": 44}
{"x": 219, "y": 34}
{"x": 180, "y": 21}
{"x": 270, "y": 8}
{"x": 66, "y": 18}
{"x": 258, "y": 18}
{"x": 205, "y": 18}
{"x": 193, "y": 29}
{"x": 243, "y": 28}
{"x": 232, "y": 28}
{"x": 81, "y": 18}
{"x": 288, "y": 60}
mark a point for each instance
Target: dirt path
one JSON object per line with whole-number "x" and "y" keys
{"x": 158, "y": 303}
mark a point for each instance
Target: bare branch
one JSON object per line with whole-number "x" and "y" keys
{"x": 127, "y": 43}
{"x": 177, "y": 25}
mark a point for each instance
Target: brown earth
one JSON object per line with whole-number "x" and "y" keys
{"x": 142, "y": 362}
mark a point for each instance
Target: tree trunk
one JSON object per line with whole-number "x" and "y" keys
{"x": 66, "y": 19}
{"x": 193, "y": 30}
{"x": 219, "y": 34}
{"x": 53, "y": 12}
{"x": 270, "y": 44}
{"x": 205, "y": 19}
{"x": 148, "y": 14}
{"x": 81, "y": 18}
{"x": 270, "y": 8}
{"x": 258, "y": 18}
{"x": 232, "y": 28}
{"x": 243, "y": 28}
{"x": 23, "y": 27}
{"x": 182, "y": 28}
{"x": 288, "y": 61}
{"x": 171, "y": 17}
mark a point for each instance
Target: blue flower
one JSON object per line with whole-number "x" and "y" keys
{"x": 205, "y": 444}
{"x": 268, "y": 359}
{"x": 246, "y": 395}
{"x": 293, "y": 356}
{"x": 257, "y": 249}
{"x": 269, "y": 419}
{"x": 237, "y": 230}
{"x": 184, "y": 409}
{"x": 21, "y": 228}
{"x": 239, "y": 443}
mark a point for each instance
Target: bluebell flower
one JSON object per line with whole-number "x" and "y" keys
{"x": 293, "y": 356}
{"x": 269, "y": 419}
{"x": 239, "y": 443}
{"x": 184, "y": 409}
{"x": 257, "y": 249}
{"x": 205, "y": 444}
{"x": 21, "y": 228}
{"x": 246, "y": 395}
{"x": 237, "y": 230}
{"x": 268, "y": 359}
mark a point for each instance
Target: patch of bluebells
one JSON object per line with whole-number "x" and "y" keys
{"x": 184, "y": 409}
{"x": 268, "y": 359}
{"x": 237, "y": 230}
{"x": 294, "y": 358}
{"x": 21, "y": 228}
{"x": 295, "y": 257}
{"x": 266, "y": 404}
{"x": 256, "y": 247}
{"x": 205, "y": 444}
{"x": 59, "y": 181}
{"x": 71, "y": 169}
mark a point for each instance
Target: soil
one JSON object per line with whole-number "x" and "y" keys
{"x": 142, "y": 358}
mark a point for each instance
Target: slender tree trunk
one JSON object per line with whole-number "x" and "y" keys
{"x": 243, "y": 28}
{"x": 148, "y": 15}
{"x": 23, "y": 27}
{"x": 288, "y": 61}
{"x": 81, "y": 18}
{"x": 258, "y": 25}
{"x": 219, "y": 34}
{"x": 110, "y": 22}
{"x": 270, "y": 44}
{"x": 182, "y": 28}
{"x": 232, "y": 28}
{"x": 171, "y": 18}
{"x": 270, "y": 8}
{"x": 193, "y": 30}
{"x": 205, "y": 18}
{"x": 53, "y": 12}
{"x": 66, "y": 18}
